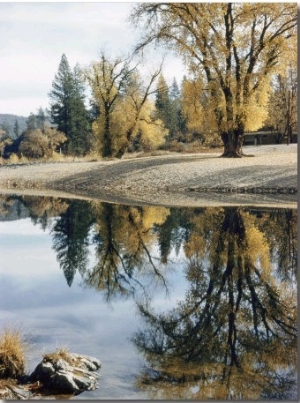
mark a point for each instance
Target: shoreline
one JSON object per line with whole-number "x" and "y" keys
{"x": 269, "y": 178}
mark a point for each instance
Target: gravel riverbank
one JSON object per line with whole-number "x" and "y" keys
{"x": 269, "y": 177}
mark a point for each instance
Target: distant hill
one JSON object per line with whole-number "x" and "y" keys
{"x": 7, "y": 123}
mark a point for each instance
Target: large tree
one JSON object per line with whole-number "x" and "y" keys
{"x": 234, "y": 46}
{"x": 136, "y": 121}
{"x": 67, "y": 108}
{"x": 124, "y": 108}
{"x": 108, "y": 80}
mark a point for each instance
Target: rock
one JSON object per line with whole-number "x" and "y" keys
{"x": 10, "y": 390}
{"x": 65, "y": 372}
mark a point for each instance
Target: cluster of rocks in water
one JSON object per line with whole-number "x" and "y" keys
{"x": 60, "y": 373}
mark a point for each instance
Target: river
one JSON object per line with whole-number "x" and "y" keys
{"x": 176, "y": 303}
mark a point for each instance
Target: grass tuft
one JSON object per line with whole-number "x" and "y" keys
{"x": 12, "y": 354}
{"x": 59, "y": 354}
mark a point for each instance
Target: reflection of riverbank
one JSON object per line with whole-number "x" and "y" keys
{"x": 178, "y": 200}
{"x": 170, "y": 180}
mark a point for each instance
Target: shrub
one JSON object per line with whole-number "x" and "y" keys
{"x": 213, "y": 141}
{"x": 176, "y": 146}
{"x": 13, "y": 159}
{"x": 12, "y": 354}
{"x": 35, "y": 144}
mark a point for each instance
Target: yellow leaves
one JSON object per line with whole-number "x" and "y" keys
{"x": 129, "y": 123}
{"x": 55, "y": 137}
{"x": 233, "y": 45}
{"x": 192, "y": 107}
{"x": 257, "y": 247}
{"x": 195, "y": 246}
{"x": 125, "y": 114}
{"x": 154, "y": 215}
{"x": 255, "y": 111}
{"x": 45, "y": 206}
{"x": 101, "y": 77}
{"x": 153, "y": 135}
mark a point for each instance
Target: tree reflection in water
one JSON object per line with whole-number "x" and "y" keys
{"x": 71, "y": 239}
{"x": 123, "y": 236}
{"x": 233, "y": 336}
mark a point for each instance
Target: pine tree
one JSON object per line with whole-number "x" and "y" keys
{"x": 41, "y": 119}
{"x": 80, "y": 117}
{"x": 68, "y": 109}
{"x": 16, "y": 129}
{"x": 177, "y": 120}
{"x": 163, "y": 102}
{"x": 168, "y": 107}
{"x": 31, "y": 122}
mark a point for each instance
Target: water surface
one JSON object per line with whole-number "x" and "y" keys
{"x": 176, "y": 303}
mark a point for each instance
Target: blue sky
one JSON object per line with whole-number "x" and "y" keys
{"x": 33, "y": 37}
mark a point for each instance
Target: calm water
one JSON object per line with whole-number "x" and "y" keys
{"x": 176, "y": 303}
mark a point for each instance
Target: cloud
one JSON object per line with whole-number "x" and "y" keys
{"x": 33, "y": 37}
{"x": 61, "y": 27}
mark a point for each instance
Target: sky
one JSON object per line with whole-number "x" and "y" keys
{"x": 33, "y": 37}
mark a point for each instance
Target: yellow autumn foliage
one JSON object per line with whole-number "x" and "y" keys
{"x": 154, "y": 215}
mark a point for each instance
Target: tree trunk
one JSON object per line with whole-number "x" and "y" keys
{"x": 129, "y": 133}
{"x": 233, "y": 142}
{"x": 232, "y": 137}
{"x": 107, "y": 145}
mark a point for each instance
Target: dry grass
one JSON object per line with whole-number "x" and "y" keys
{"x": 56, "y": 157}
{"x": 59, "y": 354}
{"x": 174, "y": 147}
{"x": 12, "y": 354}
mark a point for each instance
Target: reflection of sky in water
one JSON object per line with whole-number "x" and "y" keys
{"x": 34, "y": 291}
{"x": 34, "y": 295}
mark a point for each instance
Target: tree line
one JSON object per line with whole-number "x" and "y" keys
{"x": 241, "y": 76}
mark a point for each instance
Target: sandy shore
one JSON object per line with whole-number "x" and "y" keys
{"x": 268, "y": 178}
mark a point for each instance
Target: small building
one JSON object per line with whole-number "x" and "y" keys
{"x": 266, "y": 137}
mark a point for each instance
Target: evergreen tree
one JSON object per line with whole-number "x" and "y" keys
{"x": 16, "y": 129}
{"x": 5, "y": 127}
{"x": 163, "y": 102}
{"x": 177, "y": 121}
{"x": 31, "y": 122}
{"x": 68, "y": 109}
{"x": 167, "y": 104}
{"x": 174, "y": 92}
{"x": 41, "y": 119}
